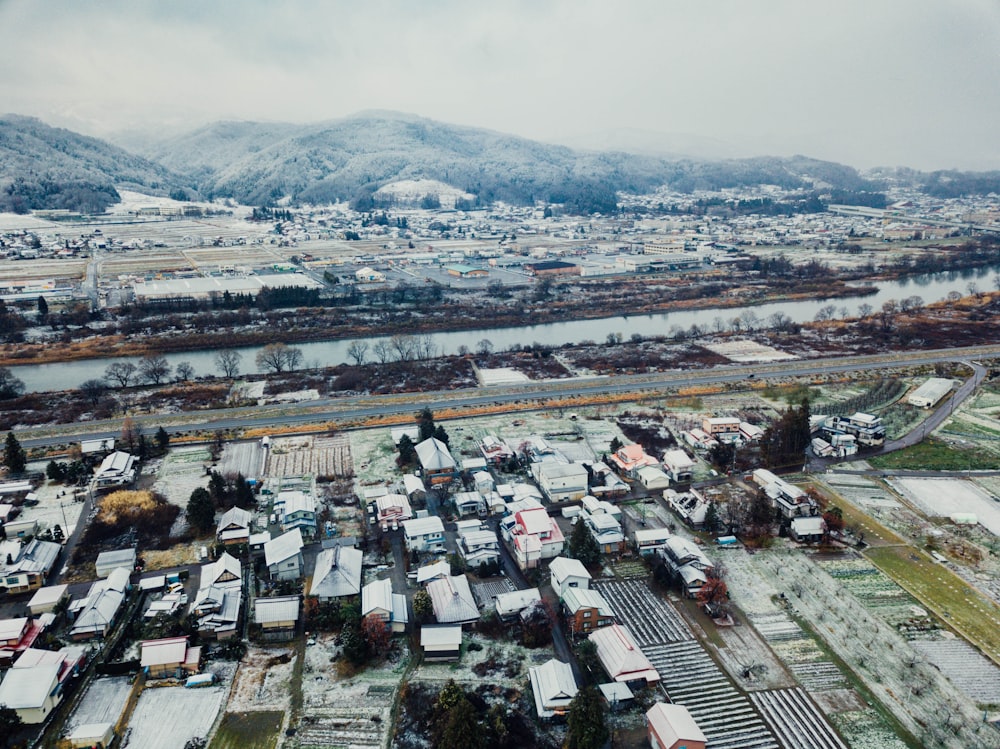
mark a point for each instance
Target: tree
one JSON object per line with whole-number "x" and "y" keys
{"x": 228, "y": 361}
{"x": 43, "y": 307}
{"x": 278, "y": 358}
{"x": 120, "y": 372}
{"x": 358, "y": 351}
{"x": 423, "y": 607}
{"x": 586, "y": 728}
{"x": 425, "y": 422}
{"x": 484, "y": 347}
{"x": 376, "y": 633}
{"x": 130, "y": 434}
{"x": 583, "y": 546}
{"x": 454, "y": 722}
{"x": 154, "y": 368}
{"x": 200, "y": 510}
{"x": 55, "y": 471}
{"x": 11, "y": 386}
{"x": 711, "y": 521}
{"x": 14, "y": 458}
{"x": 440, "y": 434}
{"x": 184, "y": 371}
{"x": 162, "y": 438}
{"x": 10, "y": 724}
{"x": 713, "y": 594}
{"x": 407, "y": 452}
{"x": 243, "y": 492}
{"x": 93, "y": 390}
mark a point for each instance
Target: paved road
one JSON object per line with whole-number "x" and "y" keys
{"x": 336, "y": 411}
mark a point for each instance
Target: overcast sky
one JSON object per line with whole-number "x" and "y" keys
{"x": 871, "y": 82}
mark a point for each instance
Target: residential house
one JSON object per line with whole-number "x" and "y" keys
{"x": 510, "y": 605}
{"x": 452, "y": 600}
{"x": 630, "y": 458}
{"x": 649, "y": 540}
{"x": 13, "y": 631}
{"x": 469, "y": 503}
{"x": 532, "y": 536}
{"x": 621, "y": 657}
{"x": 117, "y": 469}
{"x": 234, "y": 526}
{"x": 670, "y": 726}
{"x": 414, "y": 487}
{"x": 25, "y": 566}
{"x": 686, "y": 562}
{"x": 91, "y": 736}
{"x": 97, "y": 613}
{"x": 691, "y": 506}
{"x": 606, "y": 531}
{"x": 169, "y": 657}
{"x": 434, "y": 571}
{"x": 808, "y": 530}
{"x": 436, "y": 464}
{"x": 109, "y": 561}
{"x": 217, "y": 607}
{"x": 283, "y": 556}
{"x": 256, "y": 542}
{"x": 441, "y": 643}
{"x": 554, "y": 687}
{"x": 678, "y": 466}
{"x": 392, "y": 509}
{"x": 652, "y": 478}
{"x": 297, "y": 511}
{"x": 586, "y": 610}
{"x": 561, "y": 482}
{"x": 568, "y": 573}
{"x": 225, "y": 569}
{"x": 424, "y": 534}
{"x": 496, "y": 451}
{"x": 337, "y": 573}
{"x": 478, "y": 547}
{"x": 33, "y": 693}
{"x": 378, "y": 599}
{"x": 789, "y": 500}
{"x": 277, "y": 617}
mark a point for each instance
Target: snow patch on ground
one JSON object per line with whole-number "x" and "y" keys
{"x": 502, "y": 376}
{"x": 747, "y": 351}
{"x": 946, "y": 497}
{"x": 169, "y": 717}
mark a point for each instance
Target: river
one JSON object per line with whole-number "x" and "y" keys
{"x": 931, "y": 288}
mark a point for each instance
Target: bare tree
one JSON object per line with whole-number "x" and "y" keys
{"x": 358, "y": 351}
{"x": 425, "y": 346}
{"x": 154, "y": 368}
{"x": 293, "y": 358}
{"x": 865, "y": 310}
{"x": 274, "y": 357}
{"x": 826, "y": 313}
{"x": 484, "y": 347}
{"x": 184, "y": 371}
{"x": 911, "y": 303}
{"x": 404, "y": 346}
{"x": 93, "y": 390}
{"x": 228, "y": 361}
{"x": 750, "y": 320}
{"x": 121, "y": 372}
{"x": 382, "y": 351}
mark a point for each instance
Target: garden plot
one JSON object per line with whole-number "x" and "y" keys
{"x": 310, "y": 456}
{"x": 879, "y": 593}
{"x": 795, "y": 720}
{"x": 747, "y": 352}
{"x": 486, "y": 661}
{"x": 169, "y": 717}
{"x": 263, "y": 681}
{"x": 861, "y": 490}
{"x": 103, "y": 702}
{"x": 865, "y": 729}
{"x": 947, "y": 497}
{"x": 180, "y": 472}
{"x": 967, "y": 668}
{"x": 651, "y": 620}
{"x": 689, "y": 677}
{"x": 246, "y": 458}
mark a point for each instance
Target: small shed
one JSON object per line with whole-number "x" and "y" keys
{"x": 616, "y": 694}
{"x": 99, "y": 735}
{"x": 276, "y": 617}
{"x": 671, "y": 727}
{"x": 442, "y": 642}
{"x": 46, "y": 599}
{"x": 109, "y": 561}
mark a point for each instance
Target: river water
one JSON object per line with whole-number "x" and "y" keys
{"x": 931, "y": 288}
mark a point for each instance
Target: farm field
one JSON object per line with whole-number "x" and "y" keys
{"x": 310, "y": 456}
{"x": 935, "y": 454}
{"x": 103, "y": 702}
{"x": 257, "y": 730}
{"x": 949, "y": 596}
{"x": 943, "y": 497}
{"x": 168, "y": 717}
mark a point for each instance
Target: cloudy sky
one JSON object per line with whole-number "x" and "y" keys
{"x": 870, "y": 82}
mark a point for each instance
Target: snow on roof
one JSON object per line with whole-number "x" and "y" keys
{"x": 534, "y": 521}
{"x": 284, "y": 546}
{"x": 553, "y": 686}
{"x": 673, "y": 723}
{"x": 651, "y": 535}
{"x": 564, "y": 567}
{"x": 118, "y": 579}
{"x": 412, "y": 484}
{"x": 434, "y": 456}
{"x": 338, "y": 572}
{"x": 99, "y": 612}
{"x": 34, "y": 556}
{"x": 26, "y": 688}
{"x": 584, "y": 598}
{"x": 516, "y": 600}
{"x": 271, "y": 610}
{"x": 433, "y": 571}
{"x": 91, "y": 731}
{"x": 394, "y": 505}
{"x": 118, "y": 558}
{"x": 441, "y": 636}
{"x": 423, "y": 526}
{"x": 808, "y": 525}
{"x": 452, "y": 600}
{"x": 163, "y": 652}
{"x": 223, "y": 569}
{"x": 153, "y": 583}
{"x": 46, "y": 596}
{"x": 117, "y": 463}
{"x": 12, "y": 629}
{"x": 620, "y": 656}
{"x": 616, "y": 691}
{"x": 677, "y": 459}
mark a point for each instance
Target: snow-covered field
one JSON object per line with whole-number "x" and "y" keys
{"x": 168, "y": 717}
{"x": 946, "y": 497}
{"x": 264, "y": 681}
{"x": 747, "y": 351}
{"x": 180, "y": 472}
{"x": 103, "y": 702}
{"x": 55, "y": 505}
{"x": 502, "y": 376}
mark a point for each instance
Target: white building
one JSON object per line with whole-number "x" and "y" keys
{"x": 337, "y": 574}
{"x": 568, "y": 573}
{"x": 424, "y": 534}
{"x": 554, "y": 687}
{"x": 283, "y": 556}
{"x": 377, "y": 598}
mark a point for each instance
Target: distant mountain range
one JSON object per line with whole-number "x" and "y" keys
{"x": 350, "y": 159}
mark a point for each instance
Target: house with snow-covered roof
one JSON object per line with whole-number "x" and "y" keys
{"x": 568, "y": 573}
{"x": 234, "y": 526}
{"x": 378, "y": 599}
{"x": 436, "y": 463}
{"x": 621, "y": 657}
{"x": 554, "y": 687}
{"x": 630, "y": 458}
{"x": 532, "y": 536}
{"x": 452, "y": 600}
{"x": 283, "y": 556}
{"x": 337, "y": 574}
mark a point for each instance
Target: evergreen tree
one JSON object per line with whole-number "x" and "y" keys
{"x": 244, "y": 493}
{"x": 583, "y": 546}
{"x": 218, "y": 488}
{"x": 407, "y": 452}
{"x": 43, "y": 307}
{"x": 10, "y": 724}
{"x": 200, "y": 510}
{"x": 440, "y": 434}
{"x": 14, "y": 458}
{"x": 586, "y": 726}
{"x": 425, "y": 421}
{"x": 423, "y": 607}
{"x": 711, "y": 521}
{"x": 162, "y": 438}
